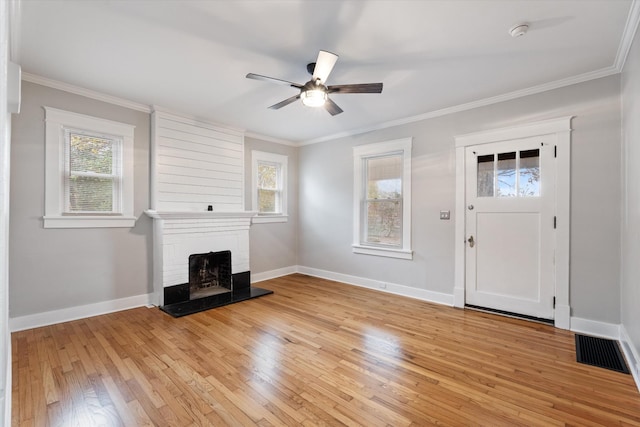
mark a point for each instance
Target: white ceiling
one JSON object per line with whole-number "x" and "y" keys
{"x": 192, "y": 56}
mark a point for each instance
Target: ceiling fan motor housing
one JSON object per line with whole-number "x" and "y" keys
{"x": 311, "y": 67}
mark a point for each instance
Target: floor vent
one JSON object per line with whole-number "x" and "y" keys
{"x": 600, "y": 352}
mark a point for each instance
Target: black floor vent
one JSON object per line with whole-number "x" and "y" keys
{"x": 600, "y": 352}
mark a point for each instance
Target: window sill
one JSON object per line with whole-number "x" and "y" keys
{"x": 88, "y": 221}
{"x": 385, "y": 252}
{"x": 262, "y": 219}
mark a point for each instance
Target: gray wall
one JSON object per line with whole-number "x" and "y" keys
{"x": 630, "y": 302}
{"x": 326, "y": 195}
{"x": 52, "y": 269}
{"x": 59, "y": 268}
{"x": 273, "y": 245}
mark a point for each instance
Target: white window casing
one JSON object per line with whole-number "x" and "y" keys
{"x": 279, "y": 162}
{"x": 59, "y": 126}
{"x": 361, "y": 153}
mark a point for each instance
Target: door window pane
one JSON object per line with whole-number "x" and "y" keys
{"x": 506, "y": 183}
{"x": 485, "y": 176}
{"x": 529, "y": 185}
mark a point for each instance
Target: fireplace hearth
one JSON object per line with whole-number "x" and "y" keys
{"x": 211, "y": 284}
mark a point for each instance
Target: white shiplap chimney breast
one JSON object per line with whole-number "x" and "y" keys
{"x": 195, "y": 165}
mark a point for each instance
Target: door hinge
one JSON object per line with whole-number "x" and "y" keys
{"x": 554, "y": 302}
{"x": 555, "y": 222}
{"x": 555, "y": 151}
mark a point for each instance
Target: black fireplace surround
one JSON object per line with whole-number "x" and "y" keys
{"x": 211, "y": 284}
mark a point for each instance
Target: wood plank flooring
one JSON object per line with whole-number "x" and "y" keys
{"x": 314, "y": 353}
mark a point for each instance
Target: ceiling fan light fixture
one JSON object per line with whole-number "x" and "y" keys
{"x": 313, "y": 97}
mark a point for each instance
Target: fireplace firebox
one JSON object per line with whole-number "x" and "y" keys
{"x": 211, "y": 284}
{"x": 209, "y": 274}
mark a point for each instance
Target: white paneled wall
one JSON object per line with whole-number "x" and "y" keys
{"x": 196, "y": 164}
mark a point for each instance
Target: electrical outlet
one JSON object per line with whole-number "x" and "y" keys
{"x": 445, "y": 214}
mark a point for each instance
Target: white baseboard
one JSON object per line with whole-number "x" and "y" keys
{"x": 272, "y": 274}
{"x": 562, "y": 317}
{"x": 595, "y": 328}
{"x": 80, "y": 312}
{"x": 632, "y": 354}
{"x": 392, "y": 288}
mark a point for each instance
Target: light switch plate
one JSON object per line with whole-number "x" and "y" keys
{"x": 445, "y": 214}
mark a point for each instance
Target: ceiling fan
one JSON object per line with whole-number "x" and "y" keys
{"x": 315, "y": 92}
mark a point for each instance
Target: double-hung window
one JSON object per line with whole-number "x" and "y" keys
{"x": 382, "y": 205}
{"x": 89, "y": 171}
{"x": 269, "y": 188}
{"x": 93, "y": 174}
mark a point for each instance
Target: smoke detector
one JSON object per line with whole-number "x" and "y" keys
{"x": 518, "y": 30}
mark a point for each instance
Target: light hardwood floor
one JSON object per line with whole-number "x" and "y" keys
{"x": 314, "y": 353}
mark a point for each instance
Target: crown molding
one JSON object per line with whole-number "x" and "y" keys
{"x": 604, "y": 72}
{"x": 271, "y": 139}
{"x": 630, "y": 28}
{"x": 88, "y": 93}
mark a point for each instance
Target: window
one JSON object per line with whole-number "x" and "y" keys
{"x": 513, "y": 174}
{"x": 269, "y": 186}
{"x": 92, "y": 173}
{"x": 382, "y": 193}
{"x": 89, "y": 171}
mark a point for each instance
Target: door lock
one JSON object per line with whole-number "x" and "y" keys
{"x": 471, "y": 242}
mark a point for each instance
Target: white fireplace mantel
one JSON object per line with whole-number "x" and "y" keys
{"x": 199, "y": 215}
{"x": 177, "y": 235}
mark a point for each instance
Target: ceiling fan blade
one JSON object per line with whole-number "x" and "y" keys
{"x": 285, "y": 102}
{"x": 324, "y": 65}
{"x": 332, "y": 107}
{"x": 273, "y": 80}
{"x": 356, "y": 88}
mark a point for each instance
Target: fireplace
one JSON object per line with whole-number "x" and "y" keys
{"x": 211, "y": 283}
{"x": 209, "y": 274}
{"x": 210, "y": 217}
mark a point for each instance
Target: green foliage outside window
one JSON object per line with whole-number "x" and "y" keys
{"x": 91, "y": 174}
{"x": 268, "y": 191}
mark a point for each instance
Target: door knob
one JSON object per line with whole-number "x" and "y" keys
{"x": 471, "y": 242}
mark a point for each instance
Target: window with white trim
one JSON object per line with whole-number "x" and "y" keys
{"x": 89, "y": 171}
{"x": 269, "y": 186}
{"x": 382, "y": 199}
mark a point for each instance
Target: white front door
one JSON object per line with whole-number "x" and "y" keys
{"x": 509, "y": 215}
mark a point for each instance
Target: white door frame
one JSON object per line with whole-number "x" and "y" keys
{"x": 560, "y": 130}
